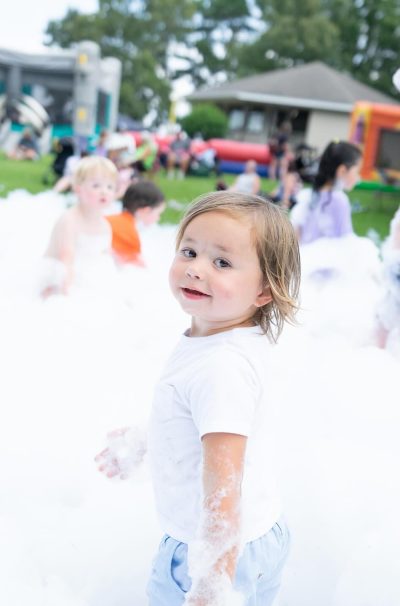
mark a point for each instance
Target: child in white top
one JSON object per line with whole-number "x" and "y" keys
{"x": 236, "y": 272}
{"x": 248, "y": 182}
{"x": 82, "y": 231}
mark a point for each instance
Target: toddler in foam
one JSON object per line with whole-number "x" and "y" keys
{"x": 236, "y": 273}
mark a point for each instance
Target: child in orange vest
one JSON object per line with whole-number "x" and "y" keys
{"x": 143, "y": 202}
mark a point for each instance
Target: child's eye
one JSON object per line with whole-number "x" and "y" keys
{"x": 188, "y": 253}
{"x": 222, "y": 263}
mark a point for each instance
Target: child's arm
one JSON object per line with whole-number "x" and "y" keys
{"x": 256, "y": 185}
{"x": 61, "y": 247}
{"x": 223, "y": 460}
{"x": 66, "y": 248}
{"x": 288, "y": 187}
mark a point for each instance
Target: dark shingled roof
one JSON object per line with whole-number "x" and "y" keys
{"x": 313, "y": 86}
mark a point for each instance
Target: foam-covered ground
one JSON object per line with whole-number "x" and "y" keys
{"x": 75, "y": 367}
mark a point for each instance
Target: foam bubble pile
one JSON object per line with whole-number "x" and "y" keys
{"x": 76, "y": 367}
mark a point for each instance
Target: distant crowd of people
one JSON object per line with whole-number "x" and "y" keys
{"x": 144, "y": 154}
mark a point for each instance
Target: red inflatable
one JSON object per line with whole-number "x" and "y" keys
{"x": 226, "y": 149}
{"x": 239, "y": 151}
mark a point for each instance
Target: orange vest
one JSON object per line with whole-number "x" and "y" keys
{"x": 125, "y": 237}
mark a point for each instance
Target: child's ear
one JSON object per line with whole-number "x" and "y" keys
{"x": 263, "y": 297}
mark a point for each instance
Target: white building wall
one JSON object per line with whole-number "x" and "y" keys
{"x": 323, "y": 127}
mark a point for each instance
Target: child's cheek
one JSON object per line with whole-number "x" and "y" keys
{"x": 173, "y": 276}
{"x": 225, "y": 291}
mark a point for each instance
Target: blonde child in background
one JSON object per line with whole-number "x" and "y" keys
{"x": 236, "y": 273}
{"x": 80, "y": 244}
{"x": 248, "y": 182}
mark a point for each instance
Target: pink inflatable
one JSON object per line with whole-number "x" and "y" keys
{"x": 226, "y": 149}
{"x": 240, "y": 151}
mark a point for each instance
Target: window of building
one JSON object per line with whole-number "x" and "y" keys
{"x": 255, "y": 123}
{"x": 236, "y": 119}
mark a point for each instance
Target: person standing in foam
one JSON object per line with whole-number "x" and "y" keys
{"x": 80, "y": 244}
{"x": 236, "y": 273}
{"x": 324, "y": 211}
{"x": 388, "y": 311}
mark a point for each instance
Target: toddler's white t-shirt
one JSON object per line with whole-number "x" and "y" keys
{"x": 213, "y": 384}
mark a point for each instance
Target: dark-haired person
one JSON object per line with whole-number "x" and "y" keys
{"x": 143, "y": 203}
{"x": 324, "y": 211}
{"x": 288, "y": 188}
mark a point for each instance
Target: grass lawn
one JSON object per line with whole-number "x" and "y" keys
{"x": 372, "y": 210}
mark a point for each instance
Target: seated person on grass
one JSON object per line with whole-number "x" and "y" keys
{"x": 142, "y": 203}
{"x": 27, "y": 147}
{"x": 146, "y": 153}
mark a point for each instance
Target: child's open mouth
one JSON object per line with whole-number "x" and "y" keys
{"x": 193, "y": 294}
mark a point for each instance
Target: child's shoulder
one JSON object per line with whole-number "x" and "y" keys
{"x": 68, "y": 220}
{"x": 236, "y": 362}
{"x": 340, "y": 197}
{"x": 237, "y": 349}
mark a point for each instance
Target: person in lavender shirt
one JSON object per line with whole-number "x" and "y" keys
{"x": 324, "y": 210}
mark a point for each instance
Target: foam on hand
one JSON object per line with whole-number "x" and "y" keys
{"x": 126, "y": 450}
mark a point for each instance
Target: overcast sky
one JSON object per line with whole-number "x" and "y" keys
{"x": 23, "y": 22}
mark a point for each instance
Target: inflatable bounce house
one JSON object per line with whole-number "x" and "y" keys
{"x": 376, "y": 128}
{"x": 60, "y": 93}
{"x": 231, "y": 155}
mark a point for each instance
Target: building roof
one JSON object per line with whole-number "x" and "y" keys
{"x": 310, "y": 86}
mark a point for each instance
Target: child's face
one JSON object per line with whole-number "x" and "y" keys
{"x": 349, "y": 177}
{"x": 216, "y": 275}
{"x": 96, "y": 191}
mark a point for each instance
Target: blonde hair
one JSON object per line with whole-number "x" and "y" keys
{"x": 277, "y": 250}
{"x": 92, "y": 164}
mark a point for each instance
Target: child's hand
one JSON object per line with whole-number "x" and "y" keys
{"x": 215, "y": 592}
{"x": 124, "y": 453}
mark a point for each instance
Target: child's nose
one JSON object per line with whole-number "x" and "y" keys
{"x": 194, "y": 270}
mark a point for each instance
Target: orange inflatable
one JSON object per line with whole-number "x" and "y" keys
{"x": 376, "y": 128}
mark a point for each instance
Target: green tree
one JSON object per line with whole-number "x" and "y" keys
{"x": 357, "y": 36}
{"x": 206, "y": 119}
{"x": 141, "y": 34}
{"x": 211, "y": 40}
{"x": 369, "y": 39}
{"x": 295, "y": 32}
{"x": 218, "y": 31}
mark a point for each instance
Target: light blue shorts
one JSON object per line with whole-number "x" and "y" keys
{"x": 258, "y": 572}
